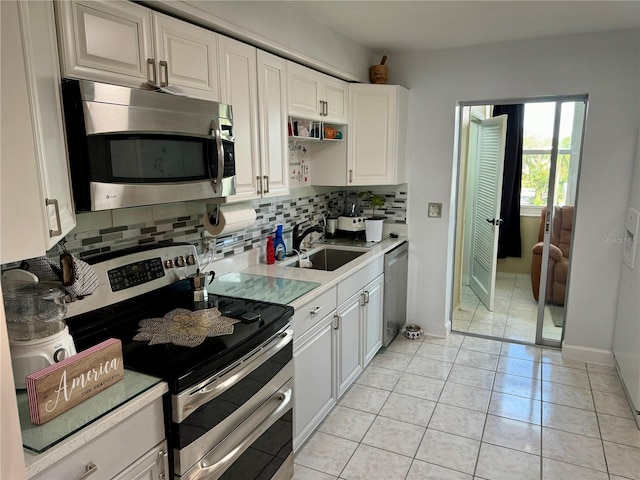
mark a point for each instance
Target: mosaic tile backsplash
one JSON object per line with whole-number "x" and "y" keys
{"x": 101, "y": 232}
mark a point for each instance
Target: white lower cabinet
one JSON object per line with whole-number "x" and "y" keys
{"x": 132, "y": 449}
{"x": 313, "y": 379}
{"x": 348, "y": 342}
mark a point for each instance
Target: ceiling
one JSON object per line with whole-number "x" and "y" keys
{"x": 412, "y": 26}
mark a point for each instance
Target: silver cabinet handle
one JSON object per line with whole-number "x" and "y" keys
{"x": 362, "y": 299}
{"x": 366, "y": 296}
{"x": 259, "y": 183}
{"x": 325, "y": 110}
{"x": 321, "y": 107}
{"x": 163, "y": 64}
{"x": 90, "y": 469}
{"x": 266, "y": 177}
{"x": 151, "y": 63}
{"x": 54, "y": 202}
{"x": 336, "y": 325}
{"x": 164, "y": 458}
{"x": 315, "y": 310}
{"x": 350, "y": 176}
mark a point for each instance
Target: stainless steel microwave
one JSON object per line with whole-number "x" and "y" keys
{"x": 130, "y": 147}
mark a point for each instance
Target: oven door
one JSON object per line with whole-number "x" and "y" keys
{"x": 239, "y": 422}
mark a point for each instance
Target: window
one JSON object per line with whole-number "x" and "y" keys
{"x": 536, "y": 154}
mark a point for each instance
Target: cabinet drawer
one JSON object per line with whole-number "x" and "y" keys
{"x": 314, "y": 311}
{"x": 114, "y": 450}
{"x": 358, "y": 280}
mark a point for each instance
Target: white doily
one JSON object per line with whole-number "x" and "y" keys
{"x": 185, "y": 328}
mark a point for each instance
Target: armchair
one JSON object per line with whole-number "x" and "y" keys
{"x": 559, "y": 251}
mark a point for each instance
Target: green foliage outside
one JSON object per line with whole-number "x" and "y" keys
{"x": 535, "y": 172}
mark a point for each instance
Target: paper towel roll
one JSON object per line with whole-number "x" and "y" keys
{"x": 231, "y": 218}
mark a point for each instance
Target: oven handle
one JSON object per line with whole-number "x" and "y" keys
{"x": 222, "y": 456}
{"x": 213, "y": 388}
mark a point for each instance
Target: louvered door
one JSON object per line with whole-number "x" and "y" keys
{"x": 486, "y": 208}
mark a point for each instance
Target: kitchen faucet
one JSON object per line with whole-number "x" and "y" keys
{"x": 297, "y": 239}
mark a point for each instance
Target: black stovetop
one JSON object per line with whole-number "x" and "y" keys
{"x": 181, "y": 367}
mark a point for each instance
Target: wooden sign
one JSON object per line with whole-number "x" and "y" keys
{"x": 61, "y": 386}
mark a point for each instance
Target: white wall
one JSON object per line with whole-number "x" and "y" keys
{"x": 604, "y": 66}
{"x": 283, "y": 29}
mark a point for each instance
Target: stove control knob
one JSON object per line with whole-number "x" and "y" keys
{"x": 60, "y": 355}
{"x": 180, "y": 261}
{"x": 168, "y": 263}
{"x": 191, "y": 259}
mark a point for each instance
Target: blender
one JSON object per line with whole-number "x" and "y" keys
{"x": 36, "y": 327}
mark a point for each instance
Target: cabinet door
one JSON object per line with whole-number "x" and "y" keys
{"x": 372, "y": 318}
{"x": 304, "y": 92}
{"x": 313, "y": 380}
{"x": 336, "y": 94}
{"x": 35, "y": 172}
{"x": 106, "y": 41}
{"x": 153, "y": 465}
{"x": 372, "y": 129}
{"x": 239, "y": 89}
{"x": 272, "y": 97}
{"x": 348, "y": 343}
{"x": 186, "y": 56}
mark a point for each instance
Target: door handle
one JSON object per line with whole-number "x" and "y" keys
{"x": 163, "y": 65}
{"x": 152, "y": 63}
{"x": 494, "y": 221}
{"x": 58, "y": 230}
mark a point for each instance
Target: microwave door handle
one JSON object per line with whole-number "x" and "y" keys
{"x": 215, "y": 131}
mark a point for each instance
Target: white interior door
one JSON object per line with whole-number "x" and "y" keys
{"x": 486, "y": 207}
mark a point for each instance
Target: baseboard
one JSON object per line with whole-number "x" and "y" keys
{"x": 586, "y": 354}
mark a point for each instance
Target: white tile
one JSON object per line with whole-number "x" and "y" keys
{"x": 471, "y": 358}
{"x": 572, "y": 448}
{"x": 196, "y": 208}
{"x": 606, "y": 383}
{"x": 517, "y": 408}
{"x": 418, "y": 386}
{"x": 555, "y": 470}
{"x": 394, "y": 435}
{"x": 570, "y": 419}
{"x": 391, "y": 360}
{"x": 377, "y": 377}
{"x": 524, "y": 352}
{"x": 437, "y": 352}
{"x": 567, "y": 395}
{"x": 364, "y": 398}
{"x": 369, "y": 462}
{"x": 408, "y": 409}
{"x": 612, "y": 404}
{"x": 450, "y": 451}
{"x": 474, "y": 377}
{"x": 619, "y": 430}
{"x": 506, "y": 432}
{"x": 488, "y": 329}
{"x": 517, "y": 366}
{"x": 554, "y": 356}
{"x": 481, "y": 345}
{"x": 428, "y": 367}
{"x": 466, "y": 397}
{"x": 518, "y": 386}
{"x": 599, "y": 368}
{"x": 623, "y": 460}
{"x": 93, "y": 221}
{"x": 452, "y": 340}
{"x": 304, "y": 473}
{"x": 565, "y": 375}
{"x": 347, "y": 423}
{"x": 428, "y": 471}
{"x": 169, "y": 211}
{"x": 459, "y": 421}
{"x": 326, "y": 453}
{"x": 403, "y": 345}
{"x": 499, "y": 463}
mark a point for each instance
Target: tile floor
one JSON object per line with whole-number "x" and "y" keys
{"x": 514, "y": 314}
{"x": 471, "y": 408}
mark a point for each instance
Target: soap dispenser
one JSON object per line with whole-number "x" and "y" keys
{"x": 278, "y": 244}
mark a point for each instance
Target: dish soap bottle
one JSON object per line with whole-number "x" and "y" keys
{"x": 271, "y": 252}
{"x": 278, "y": 244}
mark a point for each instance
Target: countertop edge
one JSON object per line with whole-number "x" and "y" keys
{"x": 36, "y": 463}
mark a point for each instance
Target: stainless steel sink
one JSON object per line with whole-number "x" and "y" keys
{"x": 329, "y": 259}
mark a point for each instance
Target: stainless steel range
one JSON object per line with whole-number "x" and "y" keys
{"x": 229, "y": 410}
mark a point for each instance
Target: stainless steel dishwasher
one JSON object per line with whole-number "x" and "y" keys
{"x": 395, "y": 292}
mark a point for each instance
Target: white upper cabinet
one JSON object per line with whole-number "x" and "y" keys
{"x": 377, "y": 146}
{"x": 36, "y": 203}
{"x": 186, "y": 56}
{"x": 240, "y": 90}
{"x": 272, "y": 109}
{"x": 315, "y": 96}
{"x": 127, "y": 44}
{"x": 106, "y": 41}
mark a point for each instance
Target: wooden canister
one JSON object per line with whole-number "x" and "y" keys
{"x": 378, "y": 74}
